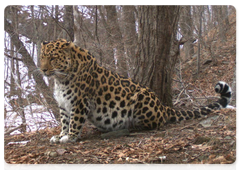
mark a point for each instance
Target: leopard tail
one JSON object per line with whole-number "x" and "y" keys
{"x": 225, "y": 97}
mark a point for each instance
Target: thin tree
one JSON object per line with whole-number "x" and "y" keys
{"x": 186, "y": 27}
{"x": 221, "y": 16}
{"x": 116, "y": 39}
{"x": 68, "y": 23}
{"x": 236, "y": 76}
{"x": 129, "y": 34}
{"x": 199, "y": 38}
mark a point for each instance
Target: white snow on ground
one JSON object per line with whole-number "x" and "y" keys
{"x": 37, "y": 117}
{"x": 19, "y": 143}
{"x": 230, "y": 107}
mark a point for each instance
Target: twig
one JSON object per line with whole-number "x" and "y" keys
{"x": 177, "y": 100}
{"x": 16, "y": 128}
{"x": 187, "y": 126}
{"x": 15, "y": 58}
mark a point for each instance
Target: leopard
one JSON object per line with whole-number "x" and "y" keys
{"x": 85, "y": 90}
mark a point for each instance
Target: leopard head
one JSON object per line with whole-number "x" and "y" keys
{"x": 55, "y": 58}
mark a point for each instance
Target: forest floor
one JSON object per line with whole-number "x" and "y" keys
{"x": 209, "y": 140}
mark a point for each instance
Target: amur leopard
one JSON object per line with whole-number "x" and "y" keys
{"x": 85, "y": 90}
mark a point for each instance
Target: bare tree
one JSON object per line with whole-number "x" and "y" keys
{"x": 68, "y": 23}
{"x": 186, "y": 27}
{"x": 199, "y": 38}
{"x": 223, "y": 23}
{"x": 236, "y": 76}
{"x": 116, "y": 40}
{"x": 157, "y": 28}
{"x": 79, "y": 27}
{"x": 130, "y": 34}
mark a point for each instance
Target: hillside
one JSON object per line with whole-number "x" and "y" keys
{"x": 198, "y": 90}
{"x": 224, "y": 52}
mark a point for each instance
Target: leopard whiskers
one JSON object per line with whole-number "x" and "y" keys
{"x": 37, "y": 72}
{"x": 60, "y": 73}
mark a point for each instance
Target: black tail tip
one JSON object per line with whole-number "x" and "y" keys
{"x": 225, "y": 91}
{"x": 222, "y": 88}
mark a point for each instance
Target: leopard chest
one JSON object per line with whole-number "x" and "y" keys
{"x": 64, "y": 95}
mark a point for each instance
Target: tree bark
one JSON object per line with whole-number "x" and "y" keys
{"x": 221, "y": 15}
{"x": 236, "y": 76}
{"x": 27, "y": 60}
{"x": 186, "y": 25}
{"x": 56, "y": 9}
{"x": 68, "y": 23}
{"x": 116, "y": 37}
{"x": 129, "y": 34}
{"x": 77, "y": 26}
{"x": 199, "y": 39}
{"x": 157, "y": 28}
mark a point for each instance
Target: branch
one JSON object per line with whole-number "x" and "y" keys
{"x": 6, "y": 83}
{"x": 15, "y": 58}
{"x": 16, "y": 128}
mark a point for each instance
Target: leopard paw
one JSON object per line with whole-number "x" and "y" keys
{"x": 68, "y": 139}
{"x": 55, "y": 139}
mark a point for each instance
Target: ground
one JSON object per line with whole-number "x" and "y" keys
{"x": 205, "y": 140}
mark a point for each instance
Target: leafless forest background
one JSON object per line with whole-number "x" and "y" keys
{"x": 122, "y": 38}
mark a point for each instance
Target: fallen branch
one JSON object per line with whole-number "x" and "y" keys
{"x": 177, "y": 100}
{"x": 16, "y": 128}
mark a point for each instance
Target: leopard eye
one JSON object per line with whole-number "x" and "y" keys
{"x": 52, "y": 57}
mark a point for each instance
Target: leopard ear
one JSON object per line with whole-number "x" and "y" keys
{"x": 66, "y": 45}
{"x": 44, "y": 42}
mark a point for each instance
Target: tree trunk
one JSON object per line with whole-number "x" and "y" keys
{"x": 12, "y": 85}
{"x": 236, "y": 76}
{"x": 108, "y": 59}
{"x": 221, "y": 15}
{"x": 27, "y": 60}
{"x": 116, "y": 38}
{"x": 130, "y": 35}
{"x": 68, "y": 23}
{"x": 56, "y": 9}
{"x": 77, "y": 26}
{"x": 187, "y": 31}
{"x": 157, "y": 28}
{"x": 199, "y": 39}
{"x": 215, "y": 15}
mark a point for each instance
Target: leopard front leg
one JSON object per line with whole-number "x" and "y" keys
{"x": 77, "y": 120}
{"x": 64, "y": 126}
